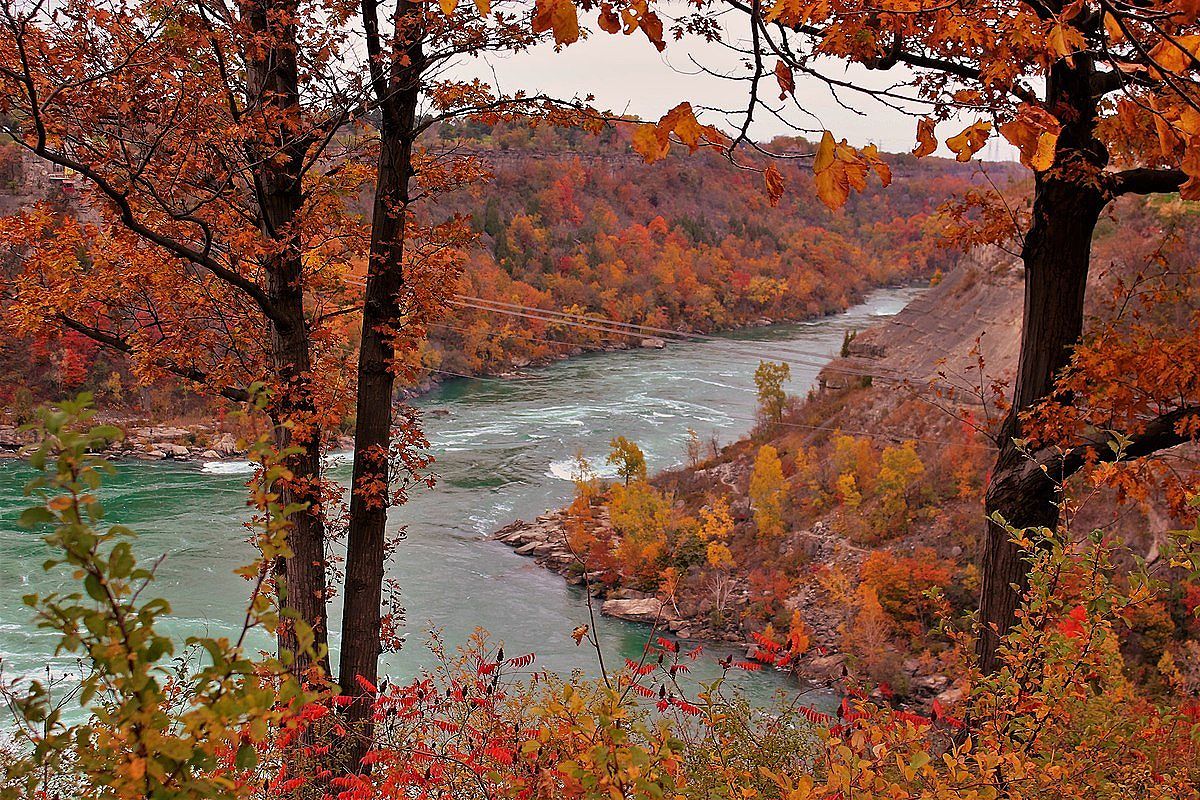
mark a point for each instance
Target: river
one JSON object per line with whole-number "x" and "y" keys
{"x": 503, "y": 449}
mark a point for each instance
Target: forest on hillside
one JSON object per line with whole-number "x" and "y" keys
{"x": 568, "y": 221}
{"x": 968, "y": 558}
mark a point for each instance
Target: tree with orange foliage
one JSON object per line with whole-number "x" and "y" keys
{"x": 1101, "y": 101}
{"x": 222, "y": 152}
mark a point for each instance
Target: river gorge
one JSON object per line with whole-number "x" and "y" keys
{"x": 504, "y": 449}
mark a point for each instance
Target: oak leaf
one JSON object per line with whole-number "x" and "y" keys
{"x": 926, "y": 141}
{"x": 970, "y": 141}
{"x": 559, "y": 17}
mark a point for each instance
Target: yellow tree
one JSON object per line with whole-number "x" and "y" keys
{"x": 767, "y": 493}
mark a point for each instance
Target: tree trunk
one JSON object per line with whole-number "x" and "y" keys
{"x": 371, "y": 481}
{"x": 1056, "y": 256}
{"x": 279, "y": 153}
{"x": 305, "y": 590}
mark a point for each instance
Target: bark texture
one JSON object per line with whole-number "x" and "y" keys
{"x": 1068, "y": 199}
{"x": 397, "y": 91}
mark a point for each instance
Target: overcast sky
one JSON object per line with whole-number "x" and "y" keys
{"x": 627, "y": 75}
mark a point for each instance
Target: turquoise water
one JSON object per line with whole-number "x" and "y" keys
{"x": 503, "y": 450}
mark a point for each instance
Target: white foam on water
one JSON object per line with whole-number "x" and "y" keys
{"x": 567, "y": 469}
{"x": 228, "y": 467}
{"x": 340, "y": 458}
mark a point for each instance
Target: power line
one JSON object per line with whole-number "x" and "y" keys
{"x": 633, "y": 330}
{"x": 611, "y": 328}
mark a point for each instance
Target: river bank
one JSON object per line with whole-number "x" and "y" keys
{"x": 504, "y": 449}
{"x": 157, "y": 440}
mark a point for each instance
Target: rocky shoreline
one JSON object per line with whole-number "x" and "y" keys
{"x": 545, "y": 540}
{"x": 192, "y": 443}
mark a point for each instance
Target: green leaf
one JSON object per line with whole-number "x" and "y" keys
{"x": 246, "y": 758}
{"x": 34, "y": 516}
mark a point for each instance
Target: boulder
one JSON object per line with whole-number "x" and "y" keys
{"x": 627, "y": 594}
{"x": 225, "y": 444}
{"x": 829, "y": 666}
{"x": 648, "y": 610}
{"x": 210, "y": 454}
{"x": 654, "y": 343}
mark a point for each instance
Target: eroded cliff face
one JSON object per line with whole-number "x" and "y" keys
{"x": 972, "y": 316}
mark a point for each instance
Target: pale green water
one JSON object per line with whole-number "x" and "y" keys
{"x": 503, "y": 451}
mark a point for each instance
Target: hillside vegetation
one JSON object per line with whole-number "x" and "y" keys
{"x": 572, "y": 222}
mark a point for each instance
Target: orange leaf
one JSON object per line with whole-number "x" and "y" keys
{"x": 609, "y": 21}
{"x": 559, "y": 17}
{"x": 970, "y": 141}
{"x": 926, "y": 142}
{"x": 648, "y": 144}
{"x": 787, "y": 81}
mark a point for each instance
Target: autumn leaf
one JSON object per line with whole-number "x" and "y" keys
{"x": 448, "y": 6}
{"x": 682, "y": 120}
{"x": 653, "y": 142}
{"x": 775, "y": 185}
{"x": 1176, "y": 54}
{"x": 559, "y": 17}
{"x": 832, "y": 187}
{"x": 484, "y": 7}
{"x": 838, "y": 168}
{"x": 787, "y": 81}
{"x": 870, "y": 154}
{"x": 926, "y": 142}
{"x": 652, "y": 26}
{"x": 1191, "y": 168}
{"x": 1072, "y": 625}
{"x": 609, "y": 21}
{"x": 1034, "y": 132}
{"x": 1065, "y": 40}
{"x": 970, "y": 141}
{"x": 1113, "y": 28}
{"x": 648, "y": 145}
{"x": 579, "y": 633}
{"x": 786, "y": 12}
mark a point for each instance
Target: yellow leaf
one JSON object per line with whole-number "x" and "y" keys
{"x": 484, "y": 7}
{"x": 1043, "y": 157}
{"x": 448, "y": 6}
{"x": 648, "y": 145}
{"x": 832, "y": 183}
{"x": 824, "y": 156}
{"x": 970, "y": 141}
